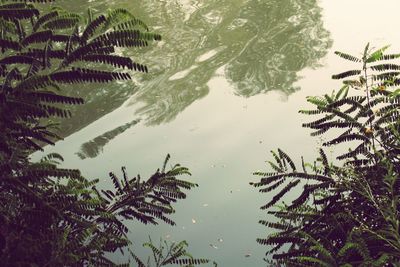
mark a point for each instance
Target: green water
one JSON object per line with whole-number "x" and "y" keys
{"x": 224, "y": 87}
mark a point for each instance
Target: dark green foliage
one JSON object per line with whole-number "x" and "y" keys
{"x": 346, "y": 215}
{"x": 50, "y": 216}
{"x": 32, "y": 69}
{"x": 65, "y": 220}
{"x": 170, "y": 254}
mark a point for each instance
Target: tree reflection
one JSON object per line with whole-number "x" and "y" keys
{"x": 289, "y": 36}
{"x": 261, "y": 44}
{"x": 94, "y": 147}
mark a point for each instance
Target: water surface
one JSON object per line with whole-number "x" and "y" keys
{"x": 224, "y": 88}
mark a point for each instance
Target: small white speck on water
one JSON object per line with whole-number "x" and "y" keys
{"x": 213, "y": 246}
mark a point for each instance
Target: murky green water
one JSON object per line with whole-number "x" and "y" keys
{"x": 224, "y": 88}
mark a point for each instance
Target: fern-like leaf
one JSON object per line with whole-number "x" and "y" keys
{"x": 347, "y": 56}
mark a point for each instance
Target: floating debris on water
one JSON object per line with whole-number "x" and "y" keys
{"x": 205, "y": 205}
{"x": 247, "y": 255}
{"x": 213, "y": 246}
{"x": 220, "y": 240}
{"x": 193, "y": 221}
{"x": 167, "y": 236}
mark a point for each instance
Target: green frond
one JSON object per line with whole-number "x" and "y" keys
{"x": 276, "y": 239}
{"x": 165, "y": 162}
{"x": 190, "y": 261}
{"x": 51, "y": 97}
{"x": 267, "y": 179}
{"x": 37, "y": 37}
{"x": 131, "y": 24}
{"x": 347, "y": 56}
{"x": 157, "y": 252}
{"x": 314, "y": 124}
{"x": 278, "y": 225}
{"x": 121, "y": 36}
{"x": 359, "y": 150}
{"x": 55, "y": 111}
{"x": 386, "y": 76}
{"x": 116, "y": 16}
{"x": 353, "y": 100}
{"x": 340, "y": 124}
{"x": 353, "y": 83}
{"x": 80, "y": 75}
{"x": 18, "y": 13}
{"x": 308, "y": 190}
{"x": 388, "y": 83}
{"x": 283, "y": 192}
{"x": 33, "y": 1}
{"x": 9, "y": 44}
{"x": 18, "y": 60}
{"x": 16, "y": 5}
{"x": 62, "y": 22}
{"x": 385, "y": 67}
{"x": 377, "y": 55}
{"x": 116, "y": 61}
{"x": 324, "y": 253}
{"x": 346, "y": 74}
{"x": 346, "y": 248}
{"x": 138, "y": 261}
{"x": 116, "y": 183}
{"x": 318, "y": 101}
{"x": 383, "y": 260}
{"x": 311, "y": 112}
{"x": 389, "y": 57}
{"x": 347, "y": 138}
{"x": 272, "y": 187}
{"x": 82, "y": 51}
{"x": 92, "y": 27}
{"x": 44, "y": 19}
{"x": 286, "y": 158}
{"x": 35, "y": 82}
{"x": 342, "y": 93}
{"x": 52, "y": 158}
{"x": 324, "y": 161}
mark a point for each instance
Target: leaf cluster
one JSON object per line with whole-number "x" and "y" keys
{"x": 169, "y": 254}
{"x": 52, "y": 216}
{"x": 42, "y": 53}
{"x": 348, "y": 214}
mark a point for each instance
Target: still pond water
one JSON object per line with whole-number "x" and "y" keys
{"x": 224, "y": 88}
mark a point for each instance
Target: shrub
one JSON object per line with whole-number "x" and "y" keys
{"x": 52, "y": 216}
{"x": 348, "y": 214}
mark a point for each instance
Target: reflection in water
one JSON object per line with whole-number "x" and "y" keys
{"x": 99, "y": 99}
{"x": 93, "y": 148}
{"x": 287, "y": 36}
{"x": 261, "y": 44}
